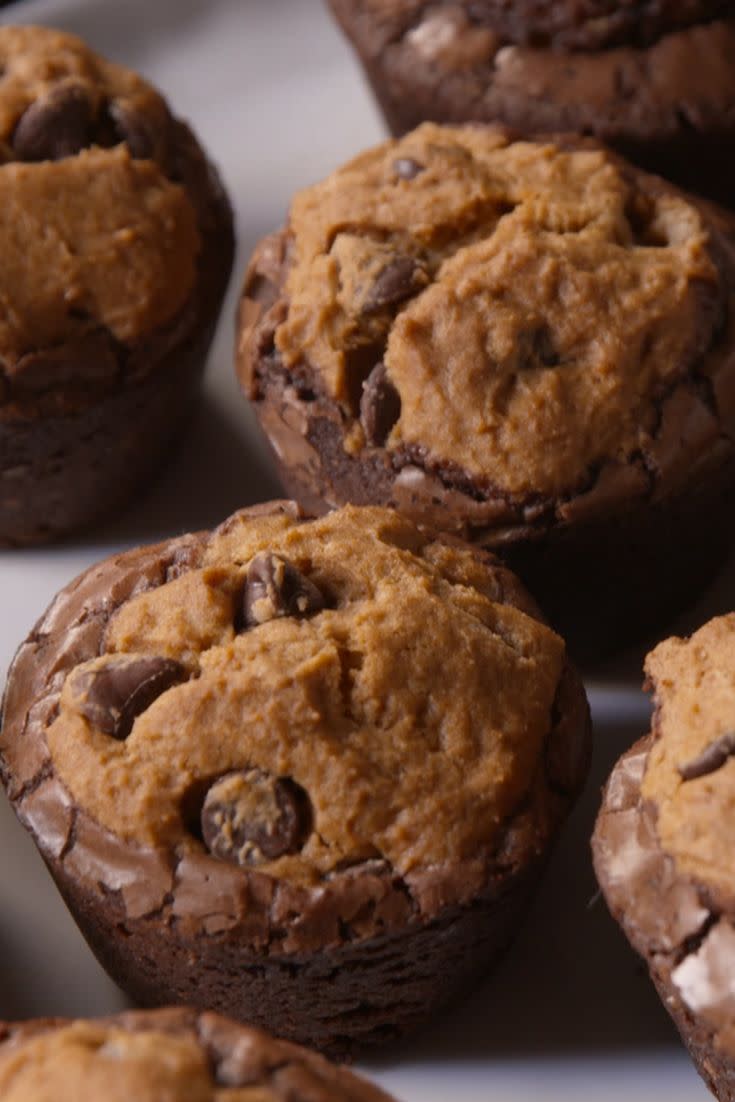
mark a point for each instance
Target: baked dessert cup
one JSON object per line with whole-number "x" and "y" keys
{"x": 528, "y": 344}
{"x": 303, "y": 772}
{"x": 177, "y": 1055}
{"x": 654, "y": 79}
{"x": 661, "y": 844}
{"x": 117, "y": 245}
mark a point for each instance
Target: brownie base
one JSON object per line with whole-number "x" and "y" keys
{"x": 610, "y": 584}
{"x": 342, "y": 1001}
{"x": 63, "y": 473}
{"x": 660, "y": 127}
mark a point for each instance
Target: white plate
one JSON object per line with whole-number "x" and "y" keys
{"x": 275, "y": 95}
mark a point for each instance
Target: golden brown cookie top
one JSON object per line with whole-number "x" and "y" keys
{"x": 95, "y": 232}
{"x": 532, "y": 305}
{"x": 176, "y": 1055}
{"x": 312, "y": 695}
{"x": 690, "y": 774}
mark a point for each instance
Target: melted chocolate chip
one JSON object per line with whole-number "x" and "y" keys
{"x": 251, "y": 816}
{"x": 55, "y": 126}
{"x": 275, "y": 587}
{"x": 112, "y": 696}
{"x": 407, "y": 168}
{"x": 398, "y": 280}
{"x": 380, "y": 406}
{"x": 712, "y": 758}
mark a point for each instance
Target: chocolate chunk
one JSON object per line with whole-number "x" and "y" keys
{"x": 55, "y": 126}
{"x": 380, "y": 406}
{"x": 407, "y": 168}
{"x": 113, "y": 695}
{"x": 712, "y": 758}
{"x": 250, "y": 817}
{"x": 275, "y": 587}
{"x": 397, "y": 281}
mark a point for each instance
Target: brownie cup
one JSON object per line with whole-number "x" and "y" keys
{"x": 165, "y": 1056}
{"x": 662, "y": 844}
{"x": 117, "y": 244}
{"x": 529, "y": 345}
{"x": 652, "y": 78}
{"x": 302, "y": 772}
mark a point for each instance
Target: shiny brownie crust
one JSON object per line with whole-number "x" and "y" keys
{"x": 652, "y": 80}
{"x": 665, "y": 915}
{"x": 355, "y": 961}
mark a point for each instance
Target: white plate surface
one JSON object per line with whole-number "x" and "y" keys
{"x": 277, "y": 98}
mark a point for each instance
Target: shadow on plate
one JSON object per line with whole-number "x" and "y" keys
{"x": 570, "y": 985}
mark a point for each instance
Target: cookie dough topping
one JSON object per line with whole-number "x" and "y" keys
{"x": 172, "y": 1055}
{"x": 309, "y": 695}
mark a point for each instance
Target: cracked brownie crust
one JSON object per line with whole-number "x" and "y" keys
{"x": 660, "y": 844}
{"x": 652, "y": 79}
{"x": 117, "y": 245}
{"x": 178, "y": 1055}
{"x": 516, "y": 341}
{"x": 250, "y": 806}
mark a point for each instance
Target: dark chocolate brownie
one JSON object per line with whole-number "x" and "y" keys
{"x": 165, "y": 1056}
{"x": 662, "y": 844}
{"x": 653, "y": 78}
{"x": 531, "y": 345}
{"x": 117, "y": 245}
{"x": 302, "y": 772}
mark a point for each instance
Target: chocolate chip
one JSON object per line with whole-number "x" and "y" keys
{"x": 712, "y": 758}
{"x": 133, "y": 128}
{"x": 544, "y": 347}
{"x": 55, "y": 126}
{"x": 113, "y": 695}
{"x": 407, "y": 168}
{"x": 397, "y": 281}
{"x": 537, "y": 348}
{"x": 380, "y": 406}
{"x": 275, "y": 587}
{"x": 251, "y": 816}
{"x": 359, "y": 362}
